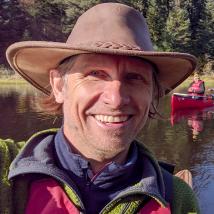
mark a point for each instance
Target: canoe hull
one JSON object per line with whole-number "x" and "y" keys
{"x": 185, "y": 101}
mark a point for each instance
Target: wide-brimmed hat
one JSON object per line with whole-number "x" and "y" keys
{"x": 108, "y": 28}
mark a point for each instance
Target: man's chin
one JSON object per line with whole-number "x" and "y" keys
{"x": 113, "y": 148}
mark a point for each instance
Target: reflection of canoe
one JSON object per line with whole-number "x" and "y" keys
{"x": 193, "y": 114}
{"x": 186, "y": 101}
{"x": 183, "y": 114}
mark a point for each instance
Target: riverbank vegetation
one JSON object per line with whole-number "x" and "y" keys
{"x": 10, "y": 81}
{"x": 7, "y": 76}
{"x": 208, "y": 79}
{"x": 175, "y": 25}
{"x": 16, "y": 79}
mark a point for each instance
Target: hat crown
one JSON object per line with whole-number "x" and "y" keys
{"x": 111, "y": 25}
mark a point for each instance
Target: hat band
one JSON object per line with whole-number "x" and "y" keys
{"x": 109, "y": 44}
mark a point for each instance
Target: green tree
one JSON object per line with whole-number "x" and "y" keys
{"x": 73, "y": 9}
{"x": 178, "y": 31}
{"x": 45, "y": 20}
{"x": 209, "y": 23}
{"x": 140, "y": 5}
{"x": 157, "y": 16}
{"x": 197, "y": 16}
{"x": 12, "y": 25}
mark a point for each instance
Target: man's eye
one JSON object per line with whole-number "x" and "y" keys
{"x": 94, "y": 73}
{"x": 134, "y": 76}
{"x": 98, "y": 74}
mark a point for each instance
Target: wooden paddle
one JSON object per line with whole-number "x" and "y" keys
{"x": 186, "y": 176}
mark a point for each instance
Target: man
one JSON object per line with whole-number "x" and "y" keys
{"x": 197, "y": 86}
{"x": 106, "y": 79}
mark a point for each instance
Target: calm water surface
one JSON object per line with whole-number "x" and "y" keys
{"x": 186, "y": 139}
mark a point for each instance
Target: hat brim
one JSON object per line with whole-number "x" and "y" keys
{"x": 34, "y": 59}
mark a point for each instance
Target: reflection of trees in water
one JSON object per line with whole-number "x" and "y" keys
{"x": 8, "y": 112}
{"x": 198, "y": 122}
{"x": 21, "y": 89}
{"x": 202, "y": 159}
{"x": 203, "y": 176}
{"x": 23, "y": 103}
{"x": 195, "y": 119}
{"x": 41, "y": 113}
{"x": 203, "y": 167}
{"x": 19, "y": 117}
{"x": 175, "y": 144}
{"x": 170, "y": 144}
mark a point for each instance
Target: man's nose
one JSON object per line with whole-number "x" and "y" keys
{"x": 116, "y": 94}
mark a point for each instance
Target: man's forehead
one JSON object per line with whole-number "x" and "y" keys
{"x": 104, "y": 59}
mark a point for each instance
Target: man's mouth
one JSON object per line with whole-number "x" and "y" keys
{"x": 112, "y": 119}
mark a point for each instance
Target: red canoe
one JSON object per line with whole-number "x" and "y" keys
{"x": 186, "y": 101}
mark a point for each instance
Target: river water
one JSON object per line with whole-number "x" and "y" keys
{"x": 187, "y": 141}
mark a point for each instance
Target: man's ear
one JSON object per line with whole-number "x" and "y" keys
{"x": 57, "y": 84}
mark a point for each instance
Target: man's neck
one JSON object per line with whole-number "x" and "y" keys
{"x": 100, "y": 162}
{"x": 98, "y": 159}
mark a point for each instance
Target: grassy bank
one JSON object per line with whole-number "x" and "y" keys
{"x": 209, "y": 82}
{"x": 8, "y": 77}
{"x": 16, "y": 79}
{"x": 10, "y": 81}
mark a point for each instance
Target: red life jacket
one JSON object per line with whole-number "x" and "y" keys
{"x": 196, "y": 87}
{"x": 47, "y": 196}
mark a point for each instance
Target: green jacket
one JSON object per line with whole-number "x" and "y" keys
{"x": 12, "y": 191}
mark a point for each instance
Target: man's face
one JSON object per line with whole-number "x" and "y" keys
{"x": 106, "y": 101}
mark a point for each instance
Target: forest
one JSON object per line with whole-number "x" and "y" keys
{"x": 175, "y": 25}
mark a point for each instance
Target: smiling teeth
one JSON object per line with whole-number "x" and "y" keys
{"x": 111, "y": 119}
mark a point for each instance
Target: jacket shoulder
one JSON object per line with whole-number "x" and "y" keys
{"x": 184, "y": 198}
{"x": 8, "y": 150}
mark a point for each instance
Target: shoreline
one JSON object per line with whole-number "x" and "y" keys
{"x": 10, "y": 81}
{"x": 14, "y": 79}
{"x": 208, "y": 79}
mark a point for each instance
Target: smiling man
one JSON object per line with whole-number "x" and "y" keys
{"x": 106, "y": 100}
{"x": 106, "y": 81}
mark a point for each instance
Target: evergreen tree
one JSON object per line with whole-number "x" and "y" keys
{"x": 45, "y": 20}
{"x": 140, "y": 5}
{"x": 197, "y": 16}
{"x": 175, "y": 25}
{"x": 178, "y": 31}
{"x": 73, "y": 9}
{"x": 209, "y": 24}
{"x": 12, "y": 25}
{"x": 157, "y": 16}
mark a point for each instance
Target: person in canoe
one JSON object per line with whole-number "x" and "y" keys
{"x": 106, "y": 81}
{"x": 197, "y": 86}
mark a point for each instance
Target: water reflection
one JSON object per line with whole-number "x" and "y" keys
{"x": 20, "y": 118}
{"x": 19, "y": 115}
{"x": 19, "y": 88}
{"x": 186, "y": 139}
{"x": 195, "y": 119}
